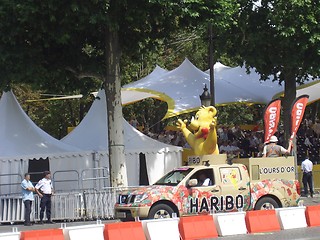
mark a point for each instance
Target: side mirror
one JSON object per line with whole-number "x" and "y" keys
{"x": 193, "y": 183}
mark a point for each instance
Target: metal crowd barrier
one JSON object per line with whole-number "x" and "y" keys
{"x": 72, "y": 206}
{"x": 100, "y": 204}
{"x": 11, "y": 209}
{"x": 67, "y": 206}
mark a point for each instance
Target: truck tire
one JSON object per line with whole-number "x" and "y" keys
{"x": 160, "y": 211}
{"x": 266, "y": 203}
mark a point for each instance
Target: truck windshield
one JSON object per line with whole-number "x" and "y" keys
{"x": 174, "y": 177}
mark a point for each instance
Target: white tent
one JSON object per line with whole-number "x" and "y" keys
{"x": 128, "y": 96}
{"x": 249, "y": 88}
{"x": 181, "y": 87}
{"x": 263, "y": 90}
{"x": 91, "y": 134}
{"x": 310, "y": 88}
{"x": 21, "y": 140}
{"x": 136, "y": 94}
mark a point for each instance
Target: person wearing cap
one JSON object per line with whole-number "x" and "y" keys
{"x": 274, "y": 150}
{"x": 27, "y": 198}
{"x": 44, "y": 189}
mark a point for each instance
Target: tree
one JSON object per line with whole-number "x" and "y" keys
{"x": 280, "y": 38}
{"x": 60, "y": 44}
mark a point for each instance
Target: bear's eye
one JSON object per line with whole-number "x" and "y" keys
{"x": 197, "y": 117}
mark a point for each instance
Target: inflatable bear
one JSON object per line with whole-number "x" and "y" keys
{"x": 203, "y": 138}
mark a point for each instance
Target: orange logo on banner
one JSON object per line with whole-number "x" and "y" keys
{"x": 297, "y": 112}
{"x": 271, "y": 118}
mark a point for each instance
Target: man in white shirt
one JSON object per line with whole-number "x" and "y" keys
{"x": 27, "y": 197}
{"x": 44, "y": 189}
{"x": 307, "y": 179}
{"x": 204, "y": 180}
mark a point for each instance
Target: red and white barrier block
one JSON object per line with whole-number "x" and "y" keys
{"x": 232, "y": 223}
{"x": 292, "y": 217}
{"x": 159, "y": 229}
{"x": 84, "y": 232}
{"x": 10, "y": 236}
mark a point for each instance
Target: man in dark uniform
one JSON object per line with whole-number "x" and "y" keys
{"x": 44, "y": 189}
{"x": 307, "y": 179}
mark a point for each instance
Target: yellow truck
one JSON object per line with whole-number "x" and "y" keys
{"x": 209, "y": 184}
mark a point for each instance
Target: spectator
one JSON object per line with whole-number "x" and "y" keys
{"x": 224, "y": 134}
{"x": 168, "y": 137}
{"x": 238, "y": 132}
{"x": 27, "y": 198}
{"x": 134, "y": 122}
{"x": 245, "y": 145}
{"x": 307, "y": 142}
{"x": 224, "y": 148}
{"x": 162, "y": 137}
{"x": 316, "y": 128}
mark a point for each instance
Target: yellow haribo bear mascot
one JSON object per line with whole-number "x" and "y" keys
{"x": 203, "y": 140}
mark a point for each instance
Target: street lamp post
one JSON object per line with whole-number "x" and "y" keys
{"x": 205, "y": 97}
{"x": 211, "y": 63}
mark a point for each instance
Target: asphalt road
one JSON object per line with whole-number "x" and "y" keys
{"x": 298, "y": 234}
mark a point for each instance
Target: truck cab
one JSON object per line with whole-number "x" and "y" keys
{"x": 209, "y": 184}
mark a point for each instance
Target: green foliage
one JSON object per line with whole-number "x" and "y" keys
{"x": 280, "y": 36}
{"x": 40, "y": 43}
{"x": 239, "y": 114}
{"x": 149, "y": 114}
{"x": 60, "y": 46}
{"x": 53, "y": 116}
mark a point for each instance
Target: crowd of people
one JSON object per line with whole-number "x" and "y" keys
{"x": 237, "y": 142}
{"x": 231, "y": 140}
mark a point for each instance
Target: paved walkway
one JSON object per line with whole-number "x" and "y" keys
{"x": 308, "y": 201}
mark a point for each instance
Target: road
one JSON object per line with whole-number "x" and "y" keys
{"x": 297, "y": 234}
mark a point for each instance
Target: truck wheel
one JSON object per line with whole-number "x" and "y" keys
{"x": 160, "y": 211}
{"x": 266, "y": 203}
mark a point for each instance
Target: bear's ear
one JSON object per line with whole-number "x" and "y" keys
{"x": 212, "y": 110}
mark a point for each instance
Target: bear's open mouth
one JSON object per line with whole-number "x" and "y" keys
{"x": 202, "y": 133}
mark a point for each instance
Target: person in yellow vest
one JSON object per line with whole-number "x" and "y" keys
{"x": 274, "y": 150}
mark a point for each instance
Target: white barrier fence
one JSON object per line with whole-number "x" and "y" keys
{"x": 86, "y": 205}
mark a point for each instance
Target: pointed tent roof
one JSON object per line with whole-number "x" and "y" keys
{"x": 21, "y": 138}
{"x": 92, "y": 134}
{"x": 181, "y": 87}
{"x": 262, "y": 91}
{"x": 128, "y": 96}
{"x": 249, "y": 88}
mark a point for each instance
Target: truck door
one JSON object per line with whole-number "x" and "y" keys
{"x": 228, "y": 191}
{"x": 200, "y": 196}
{"x": 235, "y": 187}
